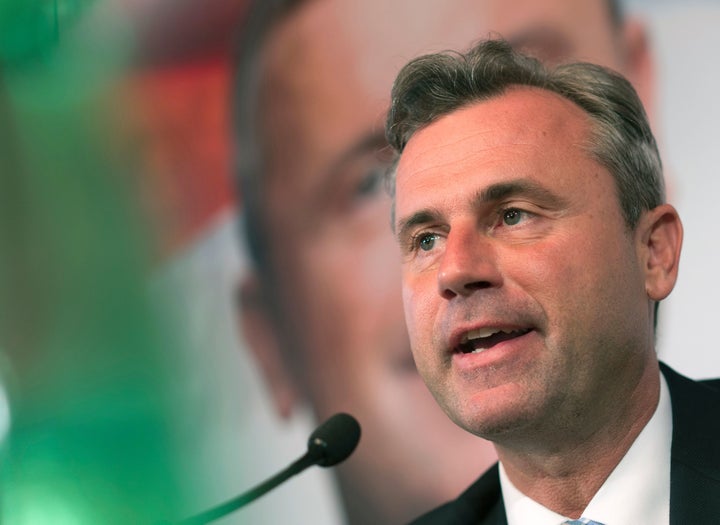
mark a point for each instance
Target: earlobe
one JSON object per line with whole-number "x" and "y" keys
{"x": 260, "y": 332}
{"x": 661, "y": 235}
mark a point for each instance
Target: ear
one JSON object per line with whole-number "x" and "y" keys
{"x": 260, "y": 332}
{"x": 638, "y": 62}
{"x": 660, "y": 233}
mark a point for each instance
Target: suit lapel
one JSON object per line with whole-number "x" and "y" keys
{"x": 482, "y": 503}
{"x": 695, "y": 457}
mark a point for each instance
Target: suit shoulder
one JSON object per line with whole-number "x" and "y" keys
{"x": 441, "y": 514}
{"x": 480, "y": 504}
{"x": 712, "y": 383}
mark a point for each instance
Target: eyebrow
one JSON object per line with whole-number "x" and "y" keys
{"x": 518, "y": 187}
{"x": 369, "y": 143}
{"x": 492, "y": 194}
{"x": 418, "y": 218}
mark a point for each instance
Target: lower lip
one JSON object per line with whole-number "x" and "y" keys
{"x": 501, "y": 353}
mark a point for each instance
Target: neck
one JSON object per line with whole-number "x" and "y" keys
{"x": 565, "y": 473}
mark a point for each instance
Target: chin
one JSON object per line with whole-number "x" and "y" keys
{"x": 491, "y": 419}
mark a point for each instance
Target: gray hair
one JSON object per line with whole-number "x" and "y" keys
{"x": 620, "y": 140}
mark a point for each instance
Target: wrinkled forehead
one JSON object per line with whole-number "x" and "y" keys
{"x": 329, "y": 66}
{"x": 331, "y": 42}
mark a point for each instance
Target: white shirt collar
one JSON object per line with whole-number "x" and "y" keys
{"x": 637, "y": 492}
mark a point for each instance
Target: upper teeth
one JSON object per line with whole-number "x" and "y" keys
{"x": 482, "y": 332}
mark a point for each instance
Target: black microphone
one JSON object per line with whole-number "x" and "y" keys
{"x": 330, "y": 443}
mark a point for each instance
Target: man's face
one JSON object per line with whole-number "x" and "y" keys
{"x": 328, "y": 73}
{"x": 523, "y": 287}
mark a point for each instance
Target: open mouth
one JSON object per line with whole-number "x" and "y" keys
{"x": 476, "y": 341}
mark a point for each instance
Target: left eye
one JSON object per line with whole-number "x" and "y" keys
{"x": 512, "y": 216}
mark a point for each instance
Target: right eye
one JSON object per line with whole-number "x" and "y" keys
{"x": 426, "y": 241}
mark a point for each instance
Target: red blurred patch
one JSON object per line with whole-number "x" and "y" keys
{"x": 175, "y": 124}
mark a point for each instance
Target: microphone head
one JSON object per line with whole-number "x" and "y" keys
{"x": 334, "y": 440}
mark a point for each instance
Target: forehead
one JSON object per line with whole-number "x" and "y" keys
{"x": 374, "y": 35}
{"x": 338, "y": 58}
{"x": 524, "y": 133}
{"x": 328, "y": 68}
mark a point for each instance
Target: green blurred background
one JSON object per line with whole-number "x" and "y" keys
{"x": 89, "y": 385}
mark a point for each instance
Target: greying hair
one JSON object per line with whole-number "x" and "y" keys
{"x": 435, "y": 85}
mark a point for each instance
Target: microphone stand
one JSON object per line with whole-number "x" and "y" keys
{"x": 330, "y": 443}
{"x": 217, "y": 512}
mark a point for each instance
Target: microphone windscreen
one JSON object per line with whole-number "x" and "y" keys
{"x": 334, "y": 440}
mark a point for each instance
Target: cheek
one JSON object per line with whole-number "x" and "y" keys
{"x": 351, "y": 269}
{"x": 420, "y": 302}
{"x": 409, "y": 306}
{"x": 583, "y": 282}
{"x": 343, "y": 296}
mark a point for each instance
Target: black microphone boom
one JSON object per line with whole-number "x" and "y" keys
{"x": 330, "y": 443}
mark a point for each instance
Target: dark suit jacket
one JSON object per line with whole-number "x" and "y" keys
{"x": 694, "y": 465}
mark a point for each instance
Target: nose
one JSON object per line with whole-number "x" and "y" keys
{"x": 468, "y": 264}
